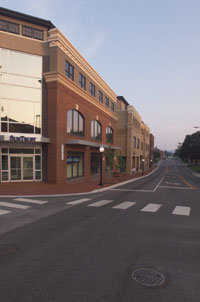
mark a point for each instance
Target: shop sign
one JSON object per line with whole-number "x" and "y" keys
{"x": 22, "y": 139}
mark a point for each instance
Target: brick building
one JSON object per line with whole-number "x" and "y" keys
{"x": 133, "y": 136}
{"x": 56, "y": 111}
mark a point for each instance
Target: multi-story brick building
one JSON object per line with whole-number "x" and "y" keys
{"x": 133, "y": 136}
{"x": 56, "y": 111}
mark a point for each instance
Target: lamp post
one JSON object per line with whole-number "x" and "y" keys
{"x": 101, "y": 149}
{"x": 143, "y": 166}
{"x": 151, "y": 164}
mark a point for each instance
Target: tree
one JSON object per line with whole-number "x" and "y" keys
{"x": 109, "y": 155}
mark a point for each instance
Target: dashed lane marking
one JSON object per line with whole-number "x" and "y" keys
{"x": 100, "y": 203}
{"x": 151, "y": 207}
{"x": 79, "y": 201}
{"x": 3, "y": 212}
{"x": 124, "y": 205}
{"x": 13, "y": 205}
{"x": 181, "y": 211}
{"x": 31, "y": 201}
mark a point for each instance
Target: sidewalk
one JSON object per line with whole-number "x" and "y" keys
{"x": 42, "y": 188}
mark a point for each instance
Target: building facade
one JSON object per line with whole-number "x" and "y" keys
{"x": 133, "y": 136}
{"x": 56, "y": 111}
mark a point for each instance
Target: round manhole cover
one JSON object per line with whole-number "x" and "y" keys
{"x": 148, "y": 277}
{"x": 7, "y": 249}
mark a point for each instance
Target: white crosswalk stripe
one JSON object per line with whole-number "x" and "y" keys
{"x": 31, "y": 201}
{"x": 3, "y": 212}
{"x": 151, "y": 207}
{"x": 79, "y": 201}
{"x": 13, "y": 205}
{"x": 124, "y": 205}
{"x": 100, "y": 203}
{"x": 181, "y": 211}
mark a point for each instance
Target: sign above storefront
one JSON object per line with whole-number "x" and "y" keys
{"x": 22, "y": 139}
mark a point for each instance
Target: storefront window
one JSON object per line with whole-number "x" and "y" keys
{"x": 75, "y": 164}
{"x": 95, "y": 163}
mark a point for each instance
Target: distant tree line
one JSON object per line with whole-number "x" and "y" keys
{"x": 189, "y": 150}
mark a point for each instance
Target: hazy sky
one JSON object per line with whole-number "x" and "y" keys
{"x": 146, "y": 50}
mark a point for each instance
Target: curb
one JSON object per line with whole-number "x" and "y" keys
{"x": 83, "y": 193}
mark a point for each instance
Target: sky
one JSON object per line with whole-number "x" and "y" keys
{"x": 146, "y": 50}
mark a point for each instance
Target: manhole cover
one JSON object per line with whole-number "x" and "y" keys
{"x": 148, "y": 277}
{"x": 7, "y": 249}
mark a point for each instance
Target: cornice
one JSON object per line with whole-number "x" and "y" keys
{"x": 57, "y": 77}
{"x": 57, "y": 39}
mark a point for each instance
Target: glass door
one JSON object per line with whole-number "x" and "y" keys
{"x": 27, "y": 167}
{"x": 15, "y": 168}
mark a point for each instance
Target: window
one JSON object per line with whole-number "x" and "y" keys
{"x": 134, "y": 142}
{"x": 32, "y": 32}
{"x": 138, "y": 143}
{"x": 69, "y": 70}
{"x": 100, "y": 97}
{"x": 95, "y": 163}
{"x": 96, "y": 130}
{"x": 75, "y": 164}
{"x": 107, "y": 102}
{"x": 92, "y": 90}
{"x": 75, "y": 123}
{"x": 9, "y": 26}
{"x": 142, "y": 146}
{"x": 112, "y": 107}
{"x": 82, "y": 81}
{"x": 109, "y": 135}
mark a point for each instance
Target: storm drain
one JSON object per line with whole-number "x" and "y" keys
{"x": 148, "y": 277}
{"x": 7, "y": 249}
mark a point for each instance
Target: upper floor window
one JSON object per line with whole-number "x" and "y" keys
{"x": 9, "y": 26}
{"x": 96, "y": 131}
{"x": 69, "y": 70}
{"x": 109, "y": 135}
{"x": 134, "y": 142}
{"x": 142, "y": 146}
{"x": 82, "y": 81}
{"x": 92, "y": 90}
{"x": 75, "y": 122}
{"x": 32, "y": 32}
{"x": 138, "y": 143}
{"x": 112, "y": 107}
{"x": 100, "y": 97}
{"x": 107, "y": 102}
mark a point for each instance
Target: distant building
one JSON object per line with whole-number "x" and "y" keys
{"x": 133, "y": 136}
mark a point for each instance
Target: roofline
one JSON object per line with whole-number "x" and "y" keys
{"x": 24, "y": 17}
{"x": 120, "y": 97}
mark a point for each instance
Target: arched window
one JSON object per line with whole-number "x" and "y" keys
{"x": 75, "y": 123}
{"x": 109, "y": 135}
{"x": 96, "y": 132}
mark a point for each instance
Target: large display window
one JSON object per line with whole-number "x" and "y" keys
{"x": 75, "y": 164}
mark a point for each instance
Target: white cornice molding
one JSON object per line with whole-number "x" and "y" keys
{"x": 57, "y": 77}
{"x": 57, "y": 39}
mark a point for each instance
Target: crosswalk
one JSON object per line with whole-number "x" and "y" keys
{"x": 150, "y": 207}
{"x": 27, "y": 203}
{"x": 20, "y": 206}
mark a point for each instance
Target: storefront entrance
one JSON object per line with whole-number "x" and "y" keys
{"x": 21, "y": 167}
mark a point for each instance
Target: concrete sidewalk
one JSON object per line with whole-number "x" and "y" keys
{"x": 42, "y": 188}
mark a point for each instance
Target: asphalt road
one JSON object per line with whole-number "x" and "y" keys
{"x": 85, "y": 247}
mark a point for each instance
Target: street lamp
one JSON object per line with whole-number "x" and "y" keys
{"x": 101, "y": 149}
{"x": 151, "y": 164}
{"x": 143, "y": 166}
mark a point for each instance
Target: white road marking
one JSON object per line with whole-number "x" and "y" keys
{"x": 100, "y": 203}
{"x": 181, "y": 211}
{"x": 2, "y": 212}
{"x": 167, "y": 187}
{"x": 79, "y": 201}
{"x": 129, "y": 190}
{"x": 173, "y": 183}
{"x": 158, "y": 184}
{"x": 151, "y": 207}
{"x": 125, "y": 205}
{"x": 13, "y": 205}
{"x": 31, "y": 200}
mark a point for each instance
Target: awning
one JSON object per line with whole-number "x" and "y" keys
{"x": 90, "y": 144}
